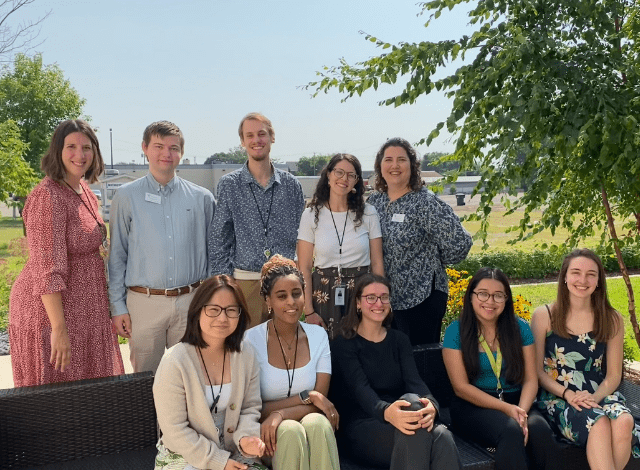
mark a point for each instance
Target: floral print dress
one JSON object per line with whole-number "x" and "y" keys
{"x": 577, "y": 363}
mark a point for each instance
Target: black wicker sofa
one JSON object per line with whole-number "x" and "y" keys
{"x": 110, "y": 423}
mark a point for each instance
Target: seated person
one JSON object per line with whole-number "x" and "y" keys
{"x": 298, "y": 421}
{"x": 490, "y": 359}
{"x": 389, "y": 417}
{"x": 207, "y": 387}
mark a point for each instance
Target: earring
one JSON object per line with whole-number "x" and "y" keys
{"x": 269, "y": 312}
{"x": 353, "y": 190}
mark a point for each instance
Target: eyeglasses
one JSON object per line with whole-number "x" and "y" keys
{"x": 498, "y": 297}
{"x": 212, "y": 311}
{"x": 339, "y": 172}
{"x": 372, "y": 299}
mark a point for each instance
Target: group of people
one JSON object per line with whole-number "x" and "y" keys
{"x": 245, "y": 342}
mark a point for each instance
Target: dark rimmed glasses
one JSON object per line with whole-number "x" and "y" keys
{"x": 212, "y": 310}
{"x": 498, "y": 297}
{"x": 372, "y": 299}
{"x": 340, "y": 173}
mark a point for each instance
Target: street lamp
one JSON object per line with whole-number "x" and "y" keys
{"x": 111, "y": 145}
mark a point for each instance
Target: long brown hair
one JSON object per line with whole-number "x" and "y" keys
{"x": 351, "y": 321}
{"x": 355, "y": 201}
{"x": 507, "y": 329}
{"x": 605, "y": 319}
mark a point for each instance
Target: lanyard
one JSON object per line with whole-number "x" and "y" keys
{"x": 265, "y": 225}
{"x": 214, "y": 406}
{"x": 287, "y": 362}
{"x": 496, "y": 364}
{"x": 340, "y": 242}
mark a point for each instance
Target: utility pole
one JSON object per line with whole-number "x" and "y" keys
{"x": 111, "y": 145}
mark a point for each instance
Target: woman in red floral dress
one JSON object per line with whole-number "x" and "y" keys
{"x": 59, "y": 325}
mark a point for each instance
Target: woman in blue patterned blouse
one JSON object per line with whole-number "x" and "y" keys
{"x": 420, "y": 235}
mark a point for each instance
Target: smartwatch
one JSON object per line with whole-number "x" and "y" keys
{"x": 304, "y": 397}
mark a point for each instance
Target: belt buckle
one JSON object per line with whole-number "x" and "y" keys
{"x": 166, "y": 292}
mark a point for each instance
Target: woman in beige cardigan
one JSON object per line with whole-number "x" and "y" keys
{"x": 207, "y": 387}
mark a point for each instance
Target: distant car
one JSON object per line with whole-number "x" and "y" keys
{"x": 98, "y": 194}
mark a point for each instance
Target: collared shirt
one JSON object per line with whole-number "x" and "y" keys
{"x": 158, "y": 236}
{"x": 420, "y": 236}
{"x": 238, "y": 239}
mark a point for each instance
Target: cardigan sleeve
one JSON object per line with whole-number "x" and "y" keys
{"x": 248, "y": 422}
{"x": 172, "y": 385}
{"x": 355, "y": 379}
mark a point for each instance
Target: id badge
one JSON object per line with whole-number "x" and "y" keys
{"x": 340, "y": 293}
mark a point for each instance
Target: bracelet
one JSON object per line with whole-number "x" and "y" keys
{"x": 279, "y": 412}
{"x": 565, "y": 391}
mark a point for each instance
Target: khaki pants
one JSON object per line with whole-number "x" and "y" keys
{"x": 157, "y": 322}
{"x": 257, "y": 306}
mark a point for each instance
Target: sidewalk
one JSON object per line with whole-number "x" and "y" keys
{"x": 6, "y": 375}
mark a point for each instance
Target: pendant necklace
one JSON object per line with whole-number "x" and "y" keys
{"x": 101, "y": 226}
{"x": 265, "y": 225}
{"x": 214, "y": 405}
{"x": 287, "y": 362}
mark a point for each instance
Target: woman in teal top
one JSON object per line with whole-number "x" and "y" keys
{"x": 489, "y": 355}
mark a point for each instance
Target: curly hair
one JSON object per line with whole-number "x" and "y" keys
{"x": 415, "y": 181}
{"x": 355, "y": 201}
{"x": 277, "y": 267}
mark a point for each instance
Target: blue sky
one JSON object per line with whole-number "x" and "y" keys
{"x": 205, "y": 64}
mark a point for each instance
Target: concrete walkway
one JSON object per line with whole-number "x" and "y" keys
{"x": 6, "y": 375}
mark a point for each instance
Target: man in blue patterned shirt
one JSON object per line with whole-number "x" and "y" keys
{"x": 159, "y": 229}
{"x": 258, "y": 214}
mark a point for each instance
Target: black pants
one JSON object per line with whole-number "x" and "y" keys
{"x": 423, "y": 322}
{"x": 380, "y": 444}
{"x": 493, "y": 428}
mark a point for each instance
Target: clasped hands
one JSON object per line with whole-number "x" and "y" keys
{"x": 407, "y": 421}
{"x": 250, "y": 445}
{"x": 517, "y": 413}
{"x": 581, "y": 399}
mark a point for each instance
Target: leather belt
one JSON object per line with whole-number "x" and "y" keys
{"x": 175, "y": 292}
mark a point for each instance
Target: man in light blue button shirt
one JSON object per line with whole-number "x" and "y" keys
{"x": 258, "y": 214}
{"x": 159, "y": 230}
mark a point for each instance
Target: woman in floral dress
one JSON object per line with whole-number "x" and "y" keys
{"x": 577, "y": 338}
{"x": 59, "y": 324}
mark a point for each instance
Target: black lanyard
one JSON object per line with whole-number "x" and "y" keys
{"x": 101, "y": 227}
{"x": 215, "y": 398}
{"x": 336, "y": 227}
{"x": 295, "y": 355}
{"x": 265, "y": 225}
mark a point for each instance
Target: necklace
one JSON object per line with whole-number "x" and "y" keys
{"x": 214, "y": 405}
{"x": 265, "y": 225}
{"x": 287, "y": 362}
{"x": 101, "y": 226}
{"x": 289, "y": 343}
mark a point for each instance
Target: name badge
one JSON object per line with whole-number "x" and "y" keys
{"x": 339, "y": 296}
{"x": 155, "y": 198}
{"x": 397, "y": 218}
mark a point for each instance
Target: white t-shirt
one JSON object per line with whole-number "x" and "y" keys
{"x": 355, "y": 247}
{"x": 274, "y": 382}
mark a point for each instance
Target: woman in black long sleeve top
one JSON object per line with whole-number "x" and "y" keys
{"x": 387, "y": 414}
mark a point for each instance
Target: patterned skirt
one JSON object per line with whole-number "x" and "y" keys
{"x": 324, "y": 281}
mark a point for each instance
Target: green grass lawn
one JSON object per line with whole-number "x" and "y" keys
{"x": 10, "y": 229}
{"x": 539, "y": 294}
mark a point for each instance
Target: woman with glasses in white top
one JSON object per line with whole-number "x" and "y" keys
{"x": 339, "y": 239}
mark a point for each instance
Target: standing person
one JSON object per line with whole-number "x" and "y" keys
{"x": 490, "y": 359}
{"x": 578, "y": 338}
{"x": 159, "y": 229}
{"x": 59, "y": 325}
{"x": 420, "y": 235}
{"x": 388, "y": 419}
{"x": 258, "y": 214}
{"x": 207, "y": 387}
{"x": 298, "y": 420}
{"x": 341, "y": 234}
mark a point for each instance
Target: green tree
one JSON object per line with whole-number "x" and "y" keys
{"x": 236, "y": 154}
{"x": 16, "y": 176}
{"x": 310, "y": 166}
{"x": 556, "y": 77}
{"x": 37, "y": 97}
{"x": 436, "y": 161}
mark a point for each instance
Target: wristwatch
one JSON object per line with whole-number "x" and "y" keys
{"x": 304, "y": 397}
